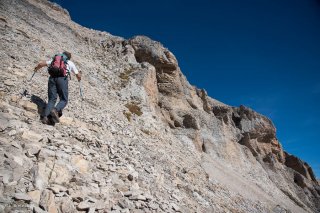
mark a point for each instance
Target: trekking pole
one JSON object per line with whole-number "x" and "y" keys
{"x": 81, "y": 93}
{"x": 34, "y": 72}
{"x": 25, "y": 91}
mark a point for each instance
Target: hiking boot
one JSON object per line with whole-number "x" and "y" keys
{"x": 45, "y": 120}
{"x": 55, "y": 115}
{"x": 60, "y": 113}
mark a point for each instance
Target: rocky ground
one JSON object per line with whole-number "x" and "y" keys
{"x": 142, "y": 139}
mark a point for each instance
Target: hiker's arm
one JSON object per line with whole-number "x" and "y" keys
{"x": 75, "y": 70}
{"x": 78, "y": 75}
{"x": 40, "y": 65}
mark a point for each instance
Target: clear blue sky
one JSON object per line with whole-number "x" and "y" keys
{"x": 264, "y": 54}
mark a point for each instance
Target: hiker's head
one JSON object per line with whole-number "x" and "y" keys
{"x": 67, "y": 54}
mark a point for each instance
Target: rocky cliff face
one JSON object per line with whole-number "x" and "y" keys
{"x": 142, "y": 139}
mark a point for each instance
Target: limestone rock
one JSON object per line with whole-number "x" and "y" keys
{"x": 66, "y": 120}
{"x": 47, "y": 202}
{"x": 35, "y": 196}
{"x": 299, "y": 166}
{"x": 29, "y": 106}
{"x": 32, "y": 148}
{"x": 175, "y": 207}
{"x": 60, "y": 174}
{"x": 67, "y": 205}
{"x": 57, "y": 188}
{"x": 84, "y": 205}
{"x": 31, "y": 136}
{"x": 37, "y": 209}
{"x": 9, "y": 83}
{"x": 22, "y": 196}
{"x": 190, "y": 122}
{"x": 40, "y": 176}
{"x": 81, "y": 164}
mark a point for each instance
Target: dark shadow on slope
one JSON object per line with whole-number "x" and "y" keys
{"x": 40, "y": 103}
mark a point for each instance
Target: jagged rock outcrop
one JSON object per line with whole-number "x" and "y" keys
{"x": 142, "y": 139}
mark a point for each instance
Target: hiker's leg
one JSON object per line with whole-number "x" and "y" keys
{"x": 52, "y": 96}
{"x": 62, "y": 86}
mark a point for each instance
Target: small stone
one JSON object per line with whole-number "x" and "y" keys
{"x": 153, "y": 206}
{"x": 32, "y": 148}
{"x": 279, "y": 209}
{"x": 20, "y": 74}
{"x": 176, "y": 197}
{"x": 83, "y": 205}
{"x": 31, "y": 136}
{"x": 60, "y": 174}
{"x": 99, "y": 205}
{"x": 92, "y": 210}
{"x": 148, "y": 196}
{"x": 37, "y": 209}
{"x": 67, "y": 205}
{"x": 135, "y": 187}
{"x": 2, "y": 94}
{"x": 9, "y": 83}
{"x": 29, "y": 106}
{"x": 127, "y": 194}
{"x": 6, "y": 176}
{"x": 30, "y": 114}
{"x": 61, "y": 194}
{"x": 138, "y": 197}
{"x": 138, "y": 205}
{"x": 76, "y": 196}
{"x": 130, "y": 177}
{"x": 116, "y": 208}
{"x": 15, "y": 144}
{"x": 125, "y": 210}
{"x": 13, "y": 183}
{"x": 81, "y": 164}
{"x": 22, "y": 196}
{"x": 18, "y": 160}
{"x": 123, "y": 203}
{"x": 66, "y": 120}
{"x": 12, "y": 132}
{"x": 47, "y": 201}
{"x": 35, "y": 196}
{"x": 175, "y": 207}
{"x": 57, "y": 188}
{"x": 14, "y": 98}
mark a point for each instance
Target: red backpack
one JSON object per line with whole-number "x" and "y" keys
{"x": 58, "y": 66}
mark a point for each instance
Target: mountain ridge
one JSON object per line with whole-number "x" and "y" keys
{"x": 137, "y": 100}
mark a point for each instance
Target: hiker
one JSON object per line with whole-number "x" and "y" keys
{"x": 59, "y": 68}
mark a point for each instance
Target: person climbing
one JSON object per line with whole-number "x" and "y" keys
{"x": 59, "y": 68}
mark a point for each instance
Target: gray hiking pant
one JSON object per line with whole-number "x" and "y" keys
{"x": 57, "y": 86}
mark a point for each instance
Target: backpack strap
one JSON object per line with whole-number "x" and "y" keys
{"x": 65, "y": 60}
{"x": 53, "y": 58}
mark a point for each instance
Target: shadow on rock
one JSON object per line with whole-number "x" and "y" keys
{"x": 40, "y": 103}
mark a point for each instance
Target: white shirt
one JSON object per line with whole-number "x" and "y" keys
{"x": 70, "y": 66}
